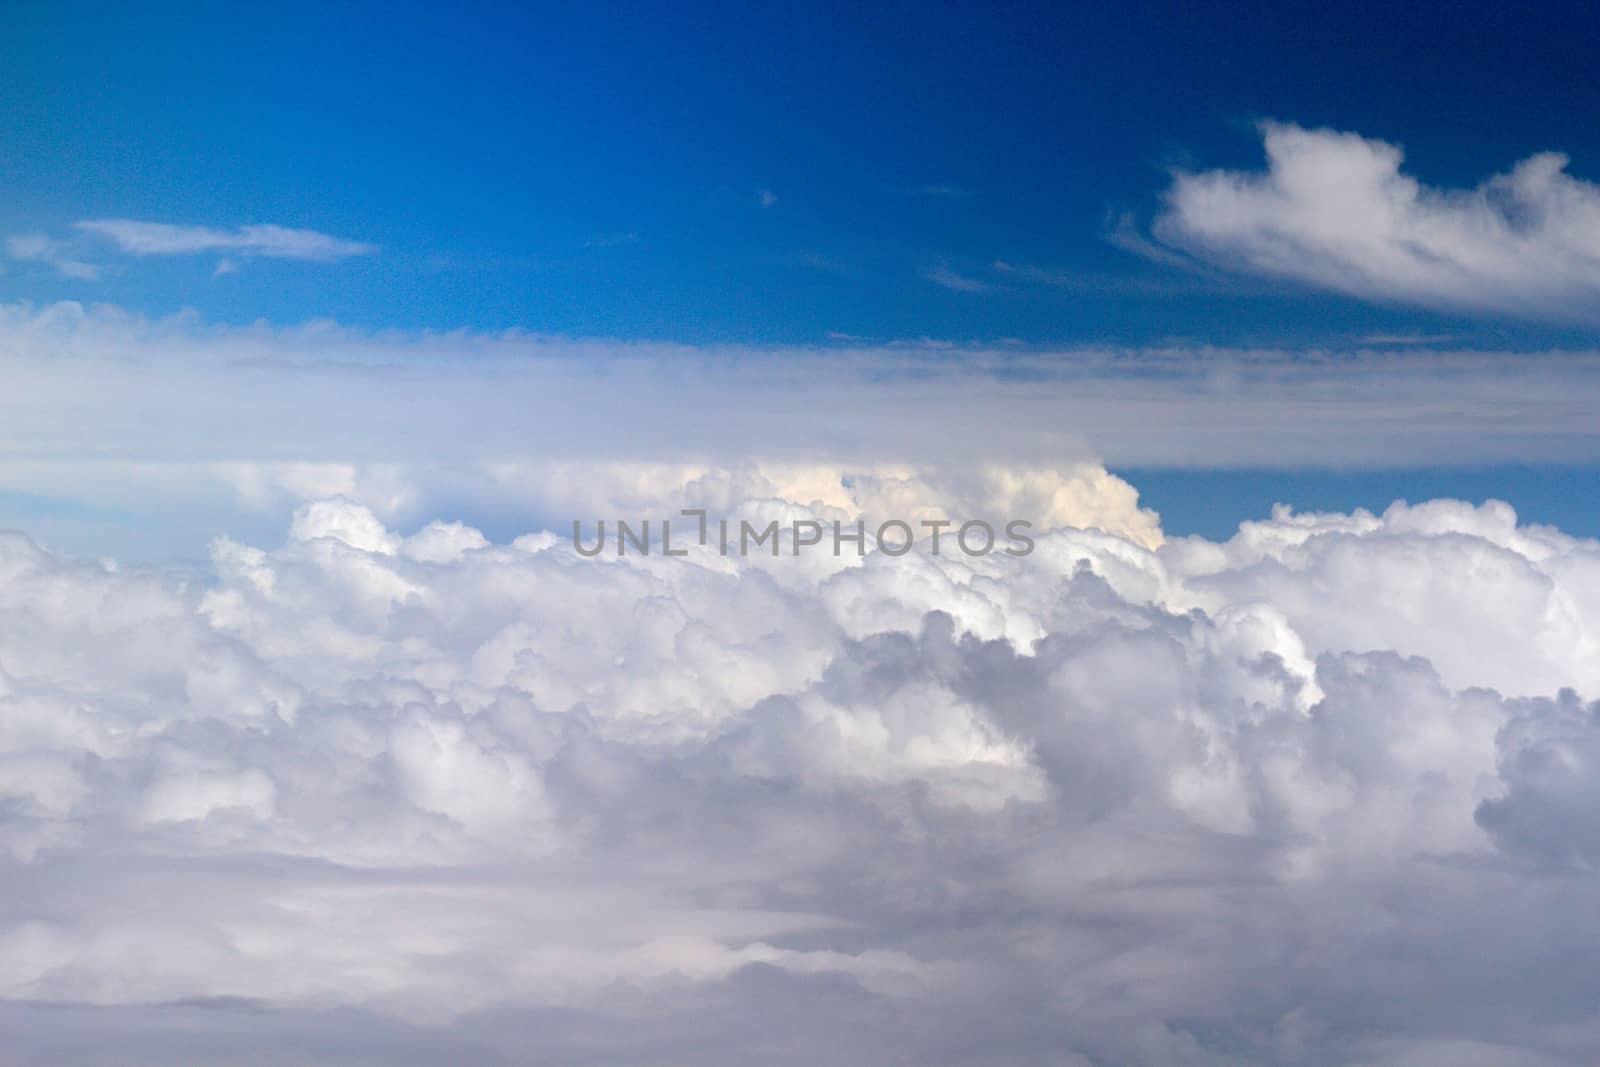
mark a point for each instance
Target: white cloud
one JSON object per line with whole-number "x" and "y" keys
{"x": 224, "y": 394}
{"x": 1317, "y": 795}
{"x": 262, "y": 239}
{"x": 1314, "y": 795}
{"x": 37, "y": 248}
{"x": 951, "y": 279}
{"x": 1335, "y": 210}
{"x": 187, "y": 430}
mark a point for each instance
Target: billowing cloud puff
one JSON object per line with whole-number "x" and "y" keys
{"x": 1335, "y": 210}
{"x": 1318, "y": 795}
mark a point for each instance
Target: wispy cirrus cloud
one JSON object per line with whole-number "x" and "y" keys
{"x": 268, "y": 240}
{"x": 1122, "y": 231}
{"x": 1335, "y": 210}
{"x": 1059, "y": 279}
{"x": 950, "y": 278}
{"x": 37, "y": 248}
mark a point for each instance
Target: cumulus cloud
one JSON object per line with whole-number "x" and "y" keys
{"x": 394, "y": 774}
{"x": 1314, "y": 795}
{"x": 260, "y": 239}
{"x": 1337, "y": 211}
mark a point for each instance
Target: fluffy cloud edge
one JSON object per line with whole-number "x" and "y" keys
{"x": 591, "y": 788}
{"x": 1335, "y": 210}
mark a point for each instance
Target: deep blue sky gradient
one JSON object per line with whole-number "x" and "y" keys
{"x": 582, "y": 170}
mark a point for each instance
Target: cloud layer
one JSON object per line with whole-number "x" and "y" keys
{"x": 1316, "y": 795}
{"x": 1335, "y": 210}
{"x": 219, "y": 392}
{"x": 193, "y": 427}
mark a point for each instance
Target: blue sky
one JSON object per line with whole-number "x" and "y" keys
{"x": 564, "y": 170}
{"x": 988, "y": 175}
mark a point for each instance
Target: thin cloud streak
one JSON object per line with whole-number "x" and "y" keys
{"x": 948, "y": 278}
{"x": 269, "y": 241}
{"x": 37, "y": 248}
